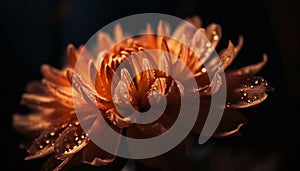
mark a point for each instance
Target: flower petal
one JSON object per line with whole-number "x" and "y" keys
{"x": 72, "y": 55}
{"x": 63, "y": 95}
{"x": 55, "y": 76}
{"x": 163, "y": 29}
{"x": 227, "y": 56}
{"x": 44, "y": 144}
{"x": 113, "y": 116}
{"x": 87, "y": 92}
{"x": 104, "y": 41}
{"x": 213, "y": 33}
{"x": 234, "y": 78}
{"x": 39, "y": 102}
{"x": 95, "y": 156}
{"x": 53, "y": 164}
{"x": 250, "y": 93}
{"x": 195, "y": 20}
{"x": 167, "y": 160}
{"x": 118, "y": 33}
{"x": 70, "y": 141}
{"x": 36, "y": 87}
{"x": 30, "y": 124}
{"x": 230, "y": 123}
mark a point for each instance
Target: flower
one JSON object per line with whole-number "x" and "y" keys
{"x": 57, "y": 130}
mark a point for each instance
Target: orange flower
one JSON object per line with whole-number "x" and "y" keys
{"x": 57, "y": 130}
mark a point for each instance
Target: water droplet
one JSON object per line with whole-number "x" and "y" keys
{"x": 228, "y": 104}
{"x": 208, "y": 44}
{"x": 52, "y": 134}
{"x": 216, "y": 37}
{"x": 203, "y": 70}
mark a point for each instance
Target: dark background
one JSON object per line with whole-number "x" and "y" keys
{"x": 38, "y": 31}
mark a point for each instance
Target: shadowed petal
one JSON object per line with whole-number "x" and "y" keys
{"x": 234, "y": 78}
{"x": 230, "y": 123}
{"x": 70, "y": 141}
{"x": 250, "y": 93}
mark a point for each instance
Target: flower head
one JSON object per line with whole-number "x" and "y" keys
{"x": 118, "y": 92}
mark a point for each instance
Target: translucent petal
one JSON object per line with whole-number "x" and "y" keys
{"x": 62, "y": 94}
{"x": 88, "y": 93}
{"x": 44, "y": 144}
{"x": 53, "y": 164}
{"x": 72, "y": 55}
{"x": 230, "y": 123}
{"x": 38, "y": 102}
{"x": 251, "y": 92}
{"x": 55, "y": 76}
{"x": 227, "y": 56}
{"x": 118, "y": 33}
{"x": 213, "y": 33}
{"x": 36, "y": 87}
{"x": 30, "y": 124}
{"x": 163, "y": 29}
{"x": 70, "y": 141}
{"x": 249, "y": 70}
{"x": 104, "y": 41}
{"x": 116, "y": 119}
{"x": 95, "y": 156}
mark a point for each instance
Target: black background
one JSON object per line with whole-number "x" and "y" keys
{"x": 37, "y": 32}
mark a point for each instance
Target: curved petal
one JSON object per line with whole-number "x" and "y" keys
{"x": 36, "y": 87}
{"x": 38, "y": 102}
{"x": 104, "y": 41}
{"x": 230, "y": 123}
{"x": 195, "y": 20}
{"x": 30, "y": 124}
{"x": 63, "y": 95}
{"x": 54, "y": 164}
{"x": 70, "y": 141}
{"x": 87, "y": 92}
{"x": 55, "y": 76}
{"x": 72, "y": 54}
{"x": 251, "y": 92}
{"x": 94, "y": 155}
{"x": 44, "y": 144}
{"x": 213, "y": 33}
{"x": 175, "y": 159}
{"x": 163, "y": 29}
{"x": 234, "y": 78}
